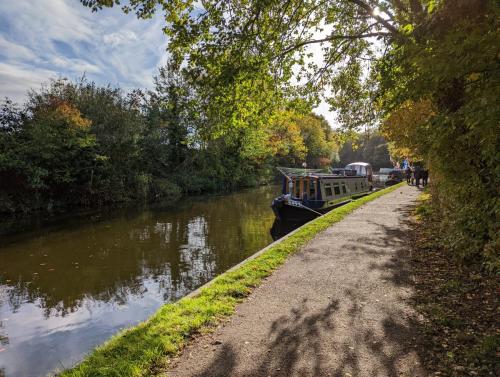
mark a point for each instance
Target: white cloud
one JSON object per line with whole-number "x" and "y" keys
{"x": 44, "y": 39}
{"x": 75, "y": 65}
{"x": 37, "y": 21}
{"x": 117, "y": 39}
{"x": 17, "y": 80}
{"x": 12, "y": 50}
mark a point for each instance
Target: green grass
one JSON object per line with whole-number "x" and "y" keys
{"x": 144, "y": 350}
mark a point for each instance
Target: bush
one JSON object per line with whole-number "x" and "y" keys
{"x": 164, "y": 190}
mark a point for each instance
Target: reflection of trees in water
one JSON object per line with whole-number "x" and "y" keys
{"x": 111, "y": 261}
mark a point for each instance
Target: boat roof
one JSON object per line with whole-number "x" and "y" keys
{"x": 313, "y": 173}
{"x": 300, "y": 172}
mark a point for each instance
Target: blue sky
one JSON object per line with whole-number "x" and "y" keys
{"x": 44, "y": 39}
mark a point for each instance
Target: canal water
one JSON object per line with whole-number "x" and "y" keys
{"x": 68, "y": 287}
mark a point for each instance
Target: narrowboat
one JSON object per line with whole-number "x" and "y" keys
{"x": 307, "y": 193}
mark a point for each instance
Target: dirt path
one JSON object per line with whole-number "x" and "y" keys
{"x": 337, "y": 308}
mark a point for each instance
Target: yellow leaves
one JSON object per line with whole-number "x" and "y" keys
{"x": 59, "y": 122}
{"x": 72, "y": 115}
{"x": 284, "y": 136}
{"x": 474, "y": 76}
{"x": 410, "y": 114}
{"x": 405, "y": 127}
{"x": 431, "y": 6}
{"x": 64, "y": 112}
{"x": 400, "y": 152}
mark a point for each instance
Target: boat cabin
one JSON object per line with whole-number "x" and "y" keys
{"x": 318, "y": 190}
{"x": 361, "y": 168}
{"x": 308, "y": 193}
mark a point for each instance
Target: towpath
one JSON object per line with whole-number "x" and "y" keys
{"x": 339, "y": 307}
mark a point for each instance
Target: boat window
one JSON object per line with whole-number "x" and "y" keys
{"x": 328, "y": 191}
{"x": 344, "y": 189}
{"x": 312, "y": 190}
{"x": 337, "y": 190}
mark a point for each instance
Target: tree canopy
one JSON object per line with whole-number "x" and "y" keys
{"x": 426, "y": 70}
{"x": 368, "y": 147}
{"x": 77, "y": 144}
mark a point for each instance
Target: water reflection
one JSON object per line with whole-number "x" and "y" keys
{"x": 281, "y": 228}
{"x": 65, "y": 290}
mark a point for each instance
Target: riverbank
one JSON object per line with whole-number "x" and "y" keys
{"x": 145, "y": 349}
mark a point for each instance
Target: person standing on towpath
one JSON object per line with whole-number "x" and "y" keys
{"x": 425, "y": 177}
{"x": 408, "y": 174}
{"x": 418, "y": 175}
{"x": 338, "y": 307}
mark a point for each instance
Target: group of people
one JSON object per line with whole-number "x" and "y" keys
{"x": 415, "y": 173}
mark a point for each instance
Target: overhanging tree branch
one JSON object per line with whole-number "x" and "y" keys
{"x": 371, "y": 11}
{"x": 332, "y": 38}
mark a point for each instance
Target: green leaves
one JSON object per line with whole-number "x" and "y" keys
{"x": 249, "y": 59}
{"x": 142, "y": 8}
{"x": 440, "y": 108}
{"x": 407, "y": 29}
{"x": 431, "y": 6}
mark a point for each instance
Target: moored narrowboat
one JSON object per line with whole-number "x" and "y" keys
{"x": 307, "y": 194}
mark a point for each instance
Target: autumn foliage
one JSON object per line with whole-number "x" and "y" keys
{"x": 445, "y": 112}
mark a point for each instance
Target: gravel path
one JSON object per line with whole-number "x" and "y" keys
{"x": 339, "y": 307}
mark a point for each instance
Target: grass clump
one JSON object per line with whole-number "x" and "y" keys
{"x": 143, "y": 350}
{"x": 423, "y": 209}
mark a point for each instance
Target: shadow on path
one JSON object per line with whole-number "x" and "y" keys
{"x": 363, "y": 328}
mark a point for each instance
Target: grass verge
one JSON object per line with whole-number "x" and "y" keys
{"x": 143, "y": 350}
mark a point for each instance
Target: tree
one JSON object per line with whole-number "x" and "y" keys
{"x": 318, "y": 139}
{"x": 256, "y": 38}
{"x": 438, "y": 95}
{"x": 372, "y": 148}
{"x": 285, "y": 140}
{"x": 378, "y": 57}
{"x": 171, "y": 124}
{"x": 49, "y": 157}
{"x": 405, "y": 127}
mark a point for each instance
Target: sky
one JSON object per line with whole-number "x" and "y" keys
{"x": 45, "y": 39}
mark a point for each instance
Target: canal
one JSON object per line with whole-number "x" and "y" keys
{"x": 67, "y": 287}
